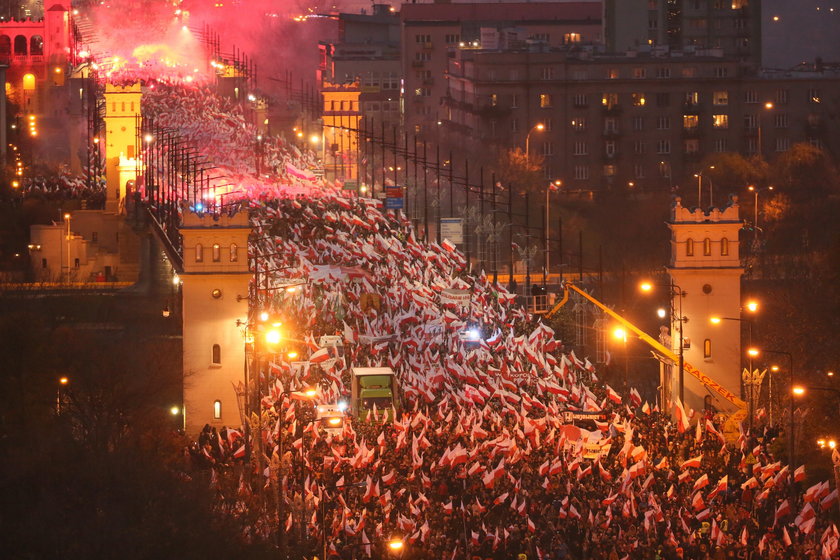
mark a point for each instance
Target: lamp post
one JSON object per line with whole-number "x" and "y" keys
{"x": 767, "y": 106}
{"x": 538, "y": 126}
{"x": 62, "y": 382}
{"x": 699, "y": 176}
{"x": 551, "y": 186}
{"x": 794, "y": 392}
{"x": 67, "y": 238}
{"x": 621, "y": 334}
{"x": 755, "y": 190}
{"x": 675, "y": 290}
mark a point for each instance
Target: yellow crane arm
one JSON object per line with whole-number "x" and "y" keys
{"x": 657, "y": 346}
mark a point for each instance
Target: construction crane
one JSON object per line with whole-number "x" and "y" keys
{"x": 727, "y": 403}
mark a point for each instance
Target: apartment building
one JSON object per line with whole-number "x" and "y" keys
{"x": 432, "y": 34}
{"x": 633, "y": 121}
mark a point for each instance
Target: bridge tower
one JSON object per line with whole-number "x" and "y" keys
{"x": 214, "y": 289}
{"x": 706, "y": 266}
{"x": 122, "y": 118}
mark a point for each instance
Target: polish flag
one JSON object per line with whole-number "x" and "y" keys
{"x": 829, "y": 500}
{"x": 531, "y": 527}
{"x": 613, "y": 396}
{"x": 389, "y": 478}
{"x": 682, "y": 417}
{"x": 697, "y": 502}
{"x": 320, "y": 356}
{"x": 448, "y": 246}
{"x": 781, "y": 511}
{"x": 694, "y": 462}
{"x": 646, "y": 408}
{"x": 786, "y": 537}
{"x": 701, "y": 482}
{"x": 704, "y": 515}
{"x": 799, "y": 474}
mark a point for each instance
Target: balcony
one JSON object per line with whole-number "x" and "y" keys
{"x": 612, "y": 109}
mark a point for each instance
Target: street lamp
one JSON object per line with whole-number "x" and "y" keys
{"x": 67, "y": 220}
{"x": 62, "y": 382}
{"x": 540, "y": 127}
{"x": 755, "y": 190}
{"x": 795, "y": 391}
{"x": 554, "y": 185}
{"x": 699, "y": 176}
{"x": 767, "y": 106}
{"x": 675, "y": 290}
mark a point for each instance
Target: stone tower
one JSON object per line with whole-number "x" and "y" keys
{"x": 215, "y": 303}
{"x": 122, "y": 117}
{"x": 706, "y": 267}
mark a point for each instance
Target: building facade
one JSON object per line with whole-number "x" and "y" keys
{"x": 635, "y": 121}
{"x": 432, "y": 34}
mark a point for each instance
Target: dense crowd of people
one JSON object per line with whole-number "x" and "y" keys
{"x": 480, "y": 461}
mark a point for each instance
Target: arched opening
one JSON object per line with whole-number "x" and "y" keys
{"x": 707, "y": 247}
{"x": 5, "y": 45}
{"x": 29, "y": 82}
{"x": 724, "y": 247}
{"x": 199, "y": 252}
{"x": 36, "y": 45}
{"x": 234, "y": 252}
{"x": 689, "y": 247}
{"x": 20, "y": 45}
{"x": 217, "y": 252}
{"x": 217, "y": 410}
{"x": 217, "y": 354}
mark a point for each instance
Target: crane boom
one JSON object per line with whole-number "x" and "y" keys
{"x": 738, "y": 406}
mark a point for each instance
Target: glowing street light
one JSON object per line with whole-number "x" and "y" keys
{"x": 396, "y": 545}
{"x": 174, "y": 411}
{"x": 273, "y": 336}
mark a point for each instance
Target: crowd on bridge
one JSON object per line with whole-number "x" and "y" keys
{"x": 480, "y": 462}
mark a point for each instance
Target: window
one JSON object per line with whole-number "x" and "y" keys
{"x": 781, "y": 97}
{"x": 217, "y": 252}
{"x": 639, "y": 73}
{"x": 663, "y": 122}
{"x": 514, "y": 125}
{"x": 43, "y": 263}
{"x": 639, "y": 171}
{"x": 216, "y": 355}
{"x": 689, "y": 247}
{"x": 217, "y": 410}
{"x": 663, "y": 73}
{"x": 423, "y": 38}
{"x": 707, "y": 348}
{"x": 199, "y": 252}
{"x": 781, "y": 120}
{"x": 663, "y": 147}
{"x": 609, "y": 170}
{"x": 720, "y": 121}
{"x": 452, "y": 38}
{"x": 580, "y": 100}
{"x": 638, "y": 147}
{"x": 721, "y": 145}
{"x": 665, "y": 169}
{"x": 724, "y": 247}
{"x": 707, "y": 247}
{"x": 609, "y": 100}
{"x": 752, "y": 146}
{"x": 609, "y": 148}
{"x": 720, "y": 98}
{"x": 514, "y": 101}
{"x": 750, "y": 122}
{"x": 782, "y": 144}
{"x": 638, "y": 123}
{"x": 692, "y": 146}
{"x": 547, "y": 124}
{"x": 663, "y": 99}
{"x": 547, "y": 73}
{"x": 581, "y": 172}
{"x": 545, "y": 37}
{"x": 579, "y": 124}
{"x": 423, "y": 56}
{"x": 610, "y": 126}
{"x": 234, "y": 252}
{"x": 653, "y": 22}
{"x": 548, "y": 149}
{"x": 750, "y": 96}
{"x": 689, "y": 72}
{"x": 690, "y": 122}
{"x": 494, "y": 99}
{"x": 571, "y": 38}
{"x": 581, "y": 149}
{"x": 580, "y": 75}
{"x": 638, "y": 99}
{"x": 813, "y": 95}
{"x": 721, "y": 72}
{"x": 545, "y": 100}
{"x": 692, "y": 97}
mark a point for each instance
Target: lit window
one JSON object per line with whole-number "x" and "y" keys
{"x": 234, "y": 252}
{"x": 707, "y": 348}
{"x": 724, "y": 247}
{"x": 720, "y": 121}
{"x": 217, "y": 354}
{"x": 690, "y": 121}
{"x": 217, "y": 252}
{"x": 720, "y": 98}
{"x": 689, "y": 247}
{"x": 199, "y": 252}
{"x": 707, "y": 247}
{"x": 217, "y": 410}
{"x": 545, "y": 100}
{"x": 638, "y": 99}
